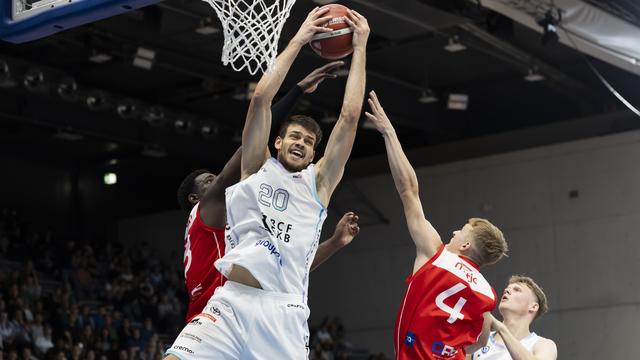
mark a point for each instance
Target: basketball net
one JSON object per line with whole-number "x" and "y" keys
{"x": 251, "y": 31}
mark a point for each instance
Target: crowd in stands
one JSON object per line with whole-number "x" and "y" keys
{"x": 65, "y": 300}
{"x": 76, "y": 301}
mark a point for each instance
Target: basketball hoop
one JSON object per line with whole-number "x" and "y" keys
{"x": 251, "y": 31}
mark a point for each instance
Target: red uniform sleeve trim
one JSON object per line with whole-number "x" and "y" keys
{"x": 201, "y": 223}
{"x": 431, "y": 260}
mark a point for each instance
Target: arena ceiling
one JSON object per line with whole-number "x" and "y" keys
{"x": 187, "y": 82}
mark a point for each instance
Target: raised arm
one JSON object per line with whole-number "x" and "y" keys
{"x": 425, "y": 237}
{"x": 281, "y": 110}
{"x": 331, "y": 167}
{"x": 212, "y": 204}
{"x": 255, "y": 135}
{"x": 346, "y": 229}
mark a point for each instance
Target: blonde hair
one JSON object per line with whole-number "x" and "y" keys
{"x": 543, "y": 306}
{"x": 489, "y": 245}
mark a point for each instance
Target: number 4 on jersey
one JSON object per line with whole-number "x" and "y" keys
{"x": 455, "y": 313}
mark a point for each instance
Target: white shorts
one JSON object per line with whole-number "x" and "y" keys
{"x": 241, "y": 322}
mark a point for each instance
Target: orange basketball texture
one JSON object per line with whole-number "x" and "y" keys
{"x": 337, "y": 43}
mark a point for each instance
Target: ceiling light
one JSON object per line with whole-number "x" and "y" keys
{"x": 99, "y": 57}
{"x": 144, "y": 58}
{"x": 34, "y": 80}
{"x": 127, "y": 110}
{"x": 68, "y": 135}
{"x": 155, "y": 116}
{"x": 548, "y": 24}
{"x": 110, "y": 178}
{"x": 155, "y": 151}
{"x": 6, "y": 80}
{"x": 207, "y": 27}
{"x": 454, "y": 45}
{"x": 68, "y": 89}
{"x": 97, "y": 101}
{"x": 209, "y": 131}
{"x": 533, "y": 75}
{"x": 183, "y": 127}
{"x": 427, "y": 97}
{"x": 458, "y": 102}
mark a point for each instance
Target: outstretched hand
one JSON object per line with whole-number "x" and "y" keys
{"x": 377, "y": 115}
{"x": 310, "y": 83}
{"x": 360, "y": 27}
{"x": 312, "y": 24}
{"x": 347, "y": 229}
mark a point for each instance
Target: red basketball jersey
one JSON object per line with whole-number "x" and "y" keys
{"x": 442, "y": 310}
{"x": 203, "y": 245}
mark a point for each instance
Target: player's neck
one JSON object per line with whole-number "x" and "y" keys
{"x": 518, "y": 326}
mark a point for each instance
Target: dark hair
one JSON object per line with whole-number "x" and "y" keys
{"x": 306, "y": 122}
{"x": 188, "y": 186}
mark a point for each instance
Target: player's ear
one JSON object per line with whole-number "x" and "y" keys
{"x": 465, "y": 246}
{"x": 278, "y": 143}
{"x": 193, "y": 198}
{"x": 533, "y": 308}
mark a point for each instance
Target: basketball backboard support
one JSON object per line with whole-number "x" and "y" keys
{"x": 27, "y": 20}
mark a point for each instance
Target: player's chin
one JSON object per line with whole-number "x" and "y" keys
{"x": 295, "y": 164}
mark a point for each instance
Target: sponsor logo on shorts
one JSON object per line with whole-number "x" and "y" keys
{"x": 485, "y": 349}
{"x": 231, "y": 241}
{"x": 295, "y": 306}
{"x": 214, "y": 310}
{"x": 182, "y": 348}
{"x": 271, "y": 248}
{"x": 210, "y": 317}
{"x": 191, "y": 337}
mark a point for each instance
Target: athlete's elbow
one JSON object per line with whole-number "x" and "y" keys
{"x": 262, "y": 98}
{"x": 408, "y": 192}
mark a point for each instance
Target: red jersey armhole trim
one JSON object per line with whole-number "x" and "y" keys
{"x": 431, "y": 260}
{"x": 207, "y": 227}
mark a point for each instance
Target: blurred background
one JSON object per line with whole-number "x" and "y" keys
{"x": 502, "y": 107}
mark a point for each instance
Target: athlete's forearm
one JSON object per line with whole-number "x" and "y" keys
{"x": 325, "y": 250}
{"x": 270, "y": 83}
{"x": 284, "y": 106}
{"x": 230, "y": 174}
{"x": 404, "y": 176}
{"x": 354, "y": 90}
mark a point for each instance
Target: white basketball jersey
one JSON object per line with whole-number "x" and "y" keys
{"x": 498, "y": 351}
{"x": 274, "y": 221}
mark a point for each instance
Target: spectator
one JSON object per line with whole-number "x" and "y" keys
{"x": 44, "y": 343}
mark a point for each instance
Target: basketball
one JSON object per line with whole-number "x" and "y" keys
{"x": 337, "y": 43}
